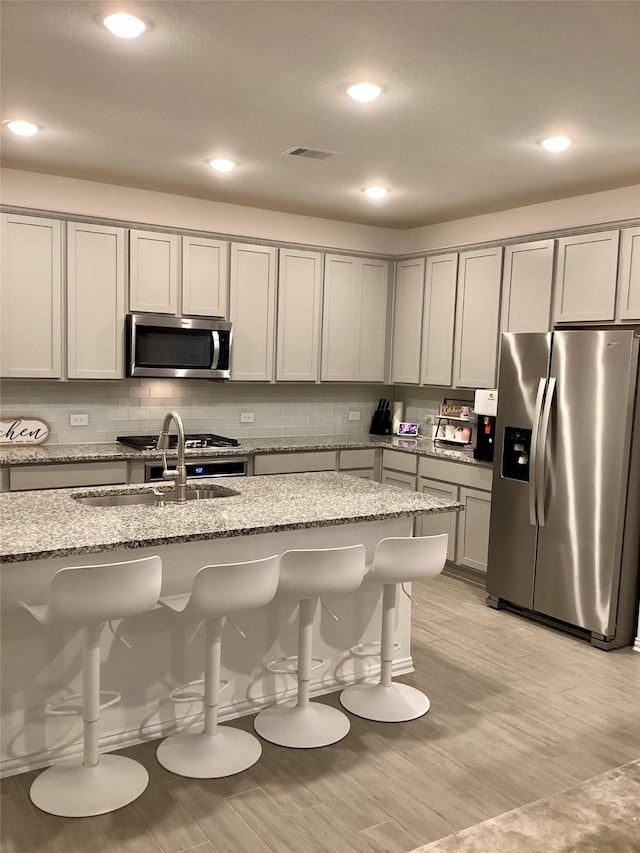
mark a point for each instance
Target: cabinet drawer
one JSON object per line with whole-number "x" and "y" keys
{"x": 461, "y": 473}
{"x": 292, "y": 463}
{"x": 364, "y": 473}
{"x": 400, "y": 461}
{"x": 67, "y": 474}
{"x": 403, "y": 481}
{"x": 357, "y": 459}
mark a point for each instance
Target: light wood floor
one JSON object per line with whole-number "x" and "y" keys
{"x": 518, "y": 712}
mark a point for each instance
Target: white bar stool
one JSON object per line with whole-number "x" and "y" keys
{"x": 307, "y": 575}
{"x": 217, "y": 592}
{"x": 90, "y": 596}
{"x": 396, "y": 561}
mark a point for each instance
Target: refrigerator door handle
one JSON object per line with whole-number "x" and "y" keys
{"x": 534, "y": 452}
{"x": 544, "y": 437}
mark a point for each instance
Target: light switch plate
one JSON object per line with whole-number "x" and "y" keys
{"x": 247, "y": 417}
{"x": 354, "y": 414}
{"x": 78, "y": 420}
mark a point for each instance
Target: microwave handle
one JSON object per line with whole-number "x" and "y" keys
{"x": 215, "y": 337}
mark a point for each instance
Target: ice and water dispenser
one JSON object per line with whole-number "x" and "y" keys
{"x": 516, "y": 451}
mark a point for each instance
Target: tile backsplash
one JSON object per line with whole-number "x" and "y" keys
{"x": 137, "y": 406}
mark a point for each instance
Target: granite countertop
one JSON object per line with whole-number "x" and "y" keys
{"x": 114, "y": 451}
{"x": 50, "y": 523}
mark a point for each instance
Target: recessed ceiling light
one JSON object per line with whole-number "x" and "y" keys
{"x": 222, "y": 165}
{"x": 556, "y": 143}
{"x": 375, "y": 192}
{"x": 22, "y": 128}
{"x": 124, "y": 26}
{"x": 364, "y": 92}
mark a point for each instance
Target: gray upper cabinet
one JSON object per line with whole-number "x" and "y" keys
{"x": 527, "y": 284}
{"x": 439, "y": 320}
{"x": 31, "y": 298}
{"x": 95, "y": 301}
{"x": 629, "y": 276}
{"x": 252, "y": 310}
{"x": 170, "y": 274}
{"x": 371, "y": 320}
{"x": 477, "y": 318}
{"x": 407, "y": 321}
{"x": 299, "y": 316}
{"x": 153, "y": 272}
{"x": 205, "y": 277}
{"x": 586, "y": 277}
{"x": 354, "y": 319}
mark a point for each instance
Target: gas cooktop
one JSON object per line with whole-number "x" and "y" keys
{"x": 192, "y": 440}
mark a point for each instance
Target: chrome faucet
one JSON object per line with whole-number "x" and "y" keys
{"x": 179, "y": 473}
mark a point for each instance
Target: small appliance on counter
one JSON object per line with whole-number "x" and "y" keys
{"x": 486, "y": 409}
{"x": 381, "y": 420}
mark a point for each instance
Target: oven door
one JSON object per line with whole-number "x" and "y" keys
{"x": 178, "y": 347}
{"x": 200, "y": 468}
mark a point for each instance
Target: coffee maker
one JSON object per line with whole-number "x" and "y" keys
{"x": 486, "y": 409}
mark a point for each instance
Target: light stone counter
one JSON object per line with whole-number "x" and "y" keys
{"x": 45, "y": 454}
{"x": 51, "y": 523}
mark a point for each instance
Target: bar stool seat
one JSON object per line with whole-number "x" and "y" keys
{"x": 307, "y": 575}
{"x": 217, "y": 592}
{"x": 88, "y": 597}
{"x": 397, "y": 560}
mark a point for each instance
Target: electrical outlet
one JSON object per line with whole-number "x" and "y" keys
{"x": 78, "y": 420}
{"x": 247, "y": 417}
{"x": 354, "y": 414}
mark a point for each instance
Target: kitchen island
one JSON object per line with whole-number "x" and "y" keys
{"x": 43, "y": 531}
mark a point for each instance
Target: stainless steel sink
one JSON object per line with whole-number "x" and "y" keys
{"x": 157, "y": 498}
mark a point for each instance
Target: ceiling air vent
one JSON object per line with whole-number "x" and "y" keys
{"x": 310, "y": 153}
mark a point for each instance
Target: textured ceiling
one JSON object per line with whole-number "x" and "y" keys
{"x": 471, "y": 88}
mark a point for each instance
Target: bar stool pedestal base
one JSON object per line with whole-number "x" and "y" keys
{"x": 302, "y": 728}
{"x": 71, "y": 789}
{"x": 202, "y": 756}
{"x": 396, "y": 703}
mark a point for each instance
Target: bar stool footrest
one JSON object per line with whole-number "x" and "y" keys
{"x": 57, "y": 707}
{"x": 367, "y": 650}
{"x": 182, "y": 694}
{"x": 289, "y": 665}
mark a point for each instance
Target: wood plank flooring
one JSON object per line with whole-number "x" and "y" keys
{"x": 518, "y": 712}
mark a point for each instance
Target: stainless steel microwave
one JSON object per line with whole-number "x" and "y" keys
{"x": 180, "y": 347}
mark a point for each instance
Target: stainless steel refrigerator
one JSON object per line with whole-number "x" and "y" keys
{"x": 564, "y": 538}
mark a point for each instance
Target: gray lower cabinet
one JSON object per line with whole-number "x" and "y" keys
{"x": 473, "y": 529}
{"x": 294, "y": 463}
{"x": 437, "y": 523}
{"x": 399, "y": 469}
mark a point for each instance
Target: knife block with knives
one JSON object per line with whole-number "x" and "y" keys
{"x": 381, "y": 420}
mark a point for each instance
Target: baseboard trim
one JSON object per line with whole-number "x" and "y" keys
{"x": 157, "y": 729}
{"x": 475, "y": 577}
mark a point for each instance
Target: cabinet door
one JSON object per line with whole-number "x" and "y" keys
{"x": 252, "y": 311}
{"x": 338, "y": 322}
{"x": 95, "y": 301}
{"x": 371, "y": 320}
{"x": 299, "y": 316}
{"x": 153, "y": 272}
{"x": 205, "y": 277}
{"x": 395, "y": 478}
{"x": 526, "y": 287}
{"x": 629, "y": 281}
{"x": 586, "y": 277}
{"x": 477, "y": 318}
{"x": 31, "y": 297}
{"x": 440, "y": 522}
{"x": 473, "y": 529}
{"x": 439, "y": 320}
{"x": 407, "y": 321}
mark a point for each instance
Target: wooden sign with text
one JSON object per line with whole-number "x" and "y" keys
{"x": 18, "y": 432}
